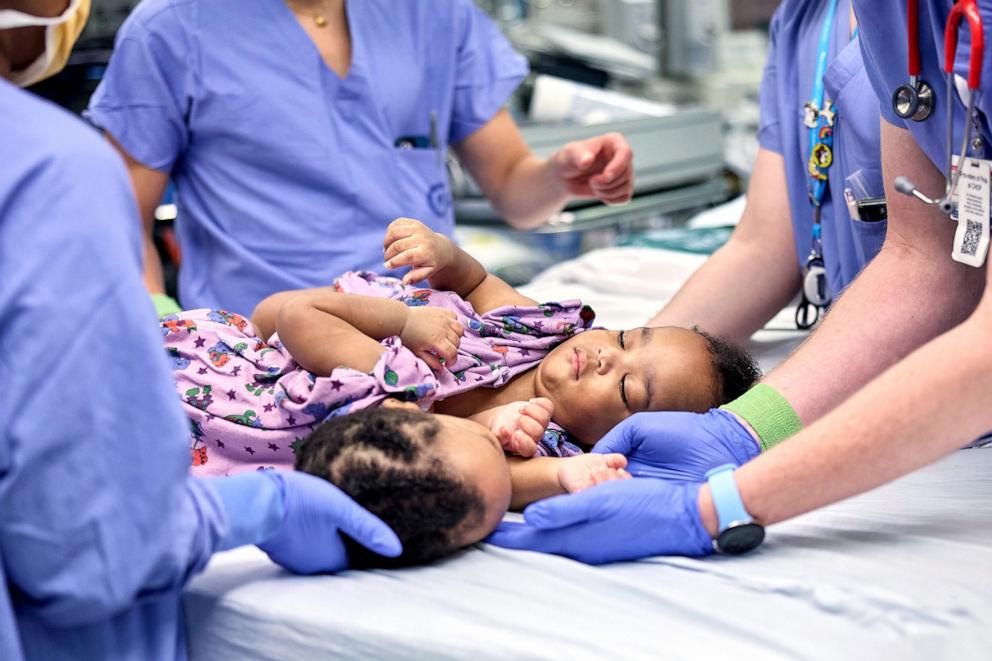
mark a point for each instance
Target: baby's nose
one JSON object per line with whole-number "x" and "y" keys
{"x": 606, "y": 357}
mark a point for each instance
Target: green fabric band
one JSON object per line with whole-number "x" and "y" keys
{"x": 768, "y": 413}
{"x": 165, "y": 305}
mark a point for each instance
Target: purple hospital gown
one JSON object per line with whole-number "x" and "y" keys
{"x": 250, "y": 404}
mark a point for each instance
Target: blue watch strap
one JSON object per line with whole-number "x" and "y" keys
{"x": 726, "y": 498}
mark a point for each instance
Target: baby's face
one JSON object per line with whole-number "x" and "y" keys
{"x": 598, "y": 378}
{"x": 473, "y": 453}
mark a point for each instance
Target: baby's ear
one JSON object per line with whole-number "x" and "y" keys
{"x": 393, "y": 403}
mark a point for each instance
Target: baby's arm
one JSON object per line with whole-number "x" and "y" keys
{"x": 447, "y": 267}
{"x": 543, "y": 477}
{"x": 324, "y": 329}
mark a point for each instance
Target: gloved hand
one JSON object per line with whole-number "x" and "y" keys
{"x": 308, "y": 540}
{"x": 296, "y": 518}
{"x": 620, "y": 520}
{"x": 680, "y": 446}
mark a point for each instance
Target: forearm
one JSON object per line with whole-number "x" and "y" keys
{"x": 714, "y": 299}
{"x": 896, "y": 305}
{"x": 531, "y": 193}
{"x": 461, "y": 276}
{"x": 324, "y": 331}
{"x": 153, "y": 277}
{"x": 533, "y": 479}
{"x": 928, "y": 405}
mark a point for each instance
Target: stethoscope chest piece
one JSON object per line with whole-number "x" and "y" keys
{"x": 913, "y": 100}
{"x": 815, "y": 283}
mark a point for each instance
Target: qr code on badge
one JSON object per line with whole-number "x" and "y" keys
{"x": 972, "y": 235}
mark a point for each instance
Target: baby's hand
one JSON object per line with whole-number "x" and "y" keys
{"x": 409, "y": 242}
{"x": 587, "y": 470}
{"x": 433, "y": 335}
{"x": 520, "y": 426}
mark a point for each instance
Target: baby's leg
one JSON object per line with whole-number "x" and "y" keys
{"x": 543, "y": 477}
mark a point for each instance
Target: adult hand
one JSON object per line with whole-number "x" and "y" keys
{"x": 409, "y": 242}
{"x": 315, "y": 513}
{"x": 680, "y": 446}
{"x": 433, "y": 335}
{"x": 600, "y": 167}
{"x": 620, "y": 520}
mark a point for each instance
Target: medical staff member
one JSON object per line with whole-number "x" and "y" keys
{"x": 100, "y": 524}
{"x": 897, "y": 376}
{"x": 814, "y": 83}
{"x": 296, "y": 130}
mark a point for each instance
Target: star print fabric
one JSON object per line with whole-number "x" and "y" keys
{"x": 250, "y": 404}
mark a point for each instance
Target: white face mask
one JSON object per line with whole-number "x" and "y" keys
{"x": 61, "y": 33}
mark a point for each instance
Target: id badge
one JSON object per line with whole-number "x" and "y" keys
{"x": 972, "y": 207}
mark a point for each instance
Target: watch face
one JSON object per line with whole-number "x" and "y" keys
{"x": 740, "y": 538}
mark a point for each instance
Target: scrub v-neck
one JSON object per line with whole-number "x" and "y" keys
{"x": 307, "y": 47}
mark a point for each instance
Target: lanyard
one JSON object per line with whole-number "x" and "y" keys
{"x": 820, "y": 117}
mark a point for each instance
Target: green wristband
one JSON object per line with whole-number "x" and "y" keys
{"x": 165, "y": 305}
{"x": 769, "y": 414}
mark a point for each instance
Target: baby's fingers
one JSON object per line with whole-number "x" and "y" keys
{"x": 615, "y": 461}
{"x": 432, "y": 361}
{"x": 418, "y": 274}
{"x": 530, "y": 427}
{"x": 608, "y": 475}
{"x": 536, "y": 413}
{"x": 523, "y": 445}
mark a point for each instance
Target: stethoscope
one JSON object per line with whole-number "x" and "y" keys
{"x": 915, "y": 100}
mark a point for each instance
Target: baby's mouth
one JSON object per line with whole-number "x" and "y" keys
{"x": 580, "y": 362}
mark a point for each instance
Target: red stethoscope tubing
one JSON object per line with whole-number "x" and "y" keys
{"x": 913, "y": 24}
{"x": 963, "y": 10}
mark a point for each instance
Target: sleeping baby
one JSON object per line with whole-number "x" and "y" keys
{"x": 535, "y": 379}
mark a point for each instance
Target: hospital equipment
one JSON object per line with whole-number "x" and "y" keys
{"x": 914, "y": 99}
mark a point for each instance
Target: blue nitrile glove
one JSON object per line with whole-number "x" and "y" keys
{"x": 619, "y": 520}
{"x": 679, "y": 446}
{"x": 296, "y": 519}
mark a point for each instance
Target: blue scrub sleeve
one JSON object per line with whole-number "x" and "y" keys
{"x": 487, "y": 72}
{"x": 147, "y": 89}
{"x": 770, "y": 126}
{"x": 96, "y": 505}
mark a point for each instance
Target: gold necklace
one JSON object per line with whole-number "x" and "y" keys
{"x": 319, "y": 19}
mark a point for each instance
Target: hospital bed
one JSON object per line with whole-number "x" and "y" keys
{"x": 903, "y": 572}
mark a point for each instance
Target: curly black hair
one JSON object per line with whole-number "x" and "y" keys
{"x": 382, "y": 458}
{"x": 736, "y": 369}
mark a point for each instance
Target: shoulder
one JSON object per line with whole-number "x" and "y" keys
{"x": 158, "y": 16}
{"x": 50, "y": 140}
{"x": 59, "y": 165}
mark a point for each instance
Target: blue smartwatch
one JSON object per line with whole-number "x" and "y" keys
{"x": 739, "y": 532}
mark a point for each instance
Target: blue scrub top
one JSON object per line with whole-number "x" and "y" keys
{"x": 848, "y": 245}
{"x": 288, "y": 175}
{"x": 885, "y": 47}
{"x": 100, "y": 525}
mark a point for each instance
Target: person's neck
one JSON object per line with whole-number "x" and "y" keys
{"x": 328, "y": 6}
{"x": 5, "y": 68}
{"x": 520, "y": 388}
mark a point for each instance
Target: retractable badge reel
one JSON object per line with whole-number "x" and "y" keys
{"x": 966, "y": 198}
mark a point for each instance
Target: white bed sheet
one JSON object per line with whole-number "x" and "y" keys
{"x": 902, "y": 572}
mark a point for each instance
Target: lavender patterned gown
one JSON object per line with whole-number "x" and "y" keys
{"x": 250, "y": 404}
